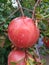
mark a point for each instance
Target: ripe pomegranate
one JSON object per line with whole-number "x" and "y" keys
{"x": 22, "y": 32}
{"x": 47, "y": 44}
{"x": 19, "y": 57}
{"x": 46, "y": 41}
{"x": 16, "y": 56}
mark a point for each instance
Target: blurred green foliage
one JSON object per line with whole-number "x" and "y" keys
{"x": 4, "y": 55}
{"x": 6, "y": 8}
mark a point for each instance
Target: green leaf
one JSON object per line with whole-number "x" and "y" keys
{"x": 3, "y": 1}
{"x": 39, "y": 16}
{"x": 27, "y": 13}
{"x": 43, "y": 61}
{"x": 42, "y": 26}
{"x": 46, "y": 0}
{"x": 5, "y": 26}
{"x": 7, "y": 42}
{"x": 31, "y": 61}
{"x": 12, "y": 63}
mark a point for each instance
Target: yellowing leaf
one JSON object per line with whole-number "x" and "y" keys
{"x": 12, "y": 63}
{"x": 27, "y": 62}
{"x": 39, "y": 16}
{"x": 31, "y": 59}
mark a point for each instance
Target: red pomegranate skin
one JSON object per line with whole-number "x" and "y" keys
{"x": 47, "y": 43}
{"x": 22, "y": 32}
{"x": 36, "y": 35}
{"x": 15, "y": 56}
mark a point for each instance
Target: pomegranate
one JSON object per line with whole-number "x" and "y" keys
{"x": 22, "y": 32}
{"x": 17, "y": 57}
{"x": 46, "y": 41}
{"x": 47, "y": 44}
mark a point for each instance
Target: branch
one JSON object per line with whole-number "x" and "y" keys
{"x": 36, "y": 4}
{"x": 27, "y": 9}
{"x": 12, "y": 14}
{"x": 2, "y": 23}
{"x": 19, "y": 6}
{"x": 4, "y": 30}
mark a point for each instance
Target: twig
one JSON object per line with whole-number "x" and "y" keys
{"x": 12, "y": 13}
{"x": 19, "y": 6}
{"x": 2, "y": 23}
{"x": 37, "y": 51}
{"x": 4, "y": 30}
{"x": 44, "y": 19}
{"x": 9, "y": 17}
{"x": 36, "y": 23}
{"x": 27, "y": 9}
{"x": 36, "y": 4}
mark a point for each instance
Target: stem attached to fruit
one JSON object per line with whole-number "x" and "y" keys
{"x": 19, "y": 5}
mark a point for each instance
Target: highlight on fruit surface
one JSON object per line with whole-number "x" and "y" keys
{"x": 23, "y": 32}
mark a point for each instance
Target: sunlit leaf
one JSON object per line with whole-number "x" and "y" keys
{"x": 27, "y": 62}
